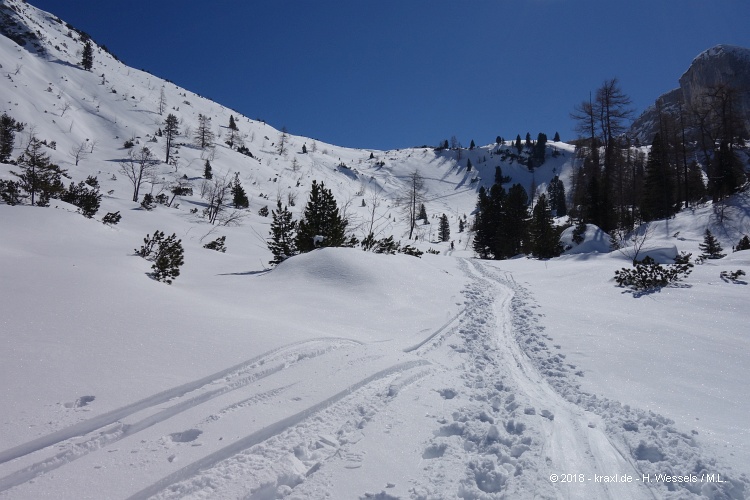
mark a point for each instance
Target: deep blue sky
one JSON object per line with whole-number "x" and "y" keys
{"x": 394, "y": 73}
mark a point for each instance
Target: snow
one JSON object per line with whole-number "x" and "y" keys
{"x": 342, "y": 373}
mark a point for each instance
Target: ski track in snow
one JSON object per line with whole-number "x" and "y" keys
{"x": 511, "y": 414}
{"x": 187, "y": 396}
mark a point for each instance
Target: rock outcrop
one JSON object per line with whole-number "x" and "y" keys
{"x": 726, "y": 65}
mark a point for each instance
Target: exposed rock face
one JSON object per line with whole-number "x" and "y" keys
{"x": 720, "y": 65}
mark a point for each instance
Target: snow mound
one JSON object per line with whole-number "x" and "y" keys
{"x": 353, "y": 269}
{"x": 595, "y": 241}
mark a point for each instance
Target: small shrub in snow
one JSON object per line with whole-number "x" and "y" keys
{"x": 579, "y": 233}
{"x": 263, "y": 212}
{"x": 128, "y": 144}
{"x": 148, "y": 202}
{"x": 166, "y": 254}
{"x": 733, "y": 276}
{"x": 112, "y": 218}
{"x": 86, "y": 198}
{"x": 162, "y": 199}
{"x": 647, "y": 274}
{"x": 217, "y": 244}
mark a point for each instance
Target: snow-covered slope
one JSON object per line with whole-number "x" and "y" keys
{"x": 339, "y": 374}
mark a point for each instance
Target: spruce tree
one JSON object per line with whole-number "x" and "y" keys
{"x": 472, "y": 145}
{"x": 170, "y": 132}
{"x": 710, "y": 247}
{"x": 658, "y": 192}
{"x": 557, "y": 137}
{"x": 40, "y": 178}
{"x": 545, "y": 242}
{"x": 87, "y": 59}
{"x": 461, "y": 225}
{"x": 283, "y": 235}
{"x": 556, "y": 196}
{"x": 499, "y": 177}
{"x": 322, "y": 225}
{"x": 444, "y": 231}
{"x": 207, "y": 170}
{"x": 239, "y": 196}
{"x": 422, "y": 213}
{"x": 468, "y": 165}
{"x": 519, "y": 146}
{"x": 8, "y": 129}
{"x": 744, "y": 244}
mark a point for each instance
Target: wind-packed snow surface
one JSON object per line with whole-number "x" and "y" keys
{"x": 341, "y": 374}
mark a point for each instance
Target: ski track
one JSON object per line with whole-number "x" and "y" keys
{"x": 619, "y": 439}
{"x": 518, "y": 416}
{"x": 233, "y": 378}
{"x": 190, "y": 471}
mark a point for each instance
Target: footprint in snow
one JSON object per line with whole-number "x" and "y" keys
{"x": 185, "y": 436}
{"x": 80, "y": 402}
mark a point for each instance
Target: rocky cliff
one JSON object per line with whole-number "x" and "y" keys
{"x": 722, "y": 65}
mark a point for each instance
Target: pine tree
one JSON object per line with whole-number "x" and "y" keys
{"x": 87, "y": 60}
{"x": 207, "y": 170}
{"x": 422, "y": 213}
{"x": 472, "y": 145}
{"x": 444, "y": 231}
{"x": 710, "y": 247}
{"x": 658, "y": 191}
{"x": 283, "y": 235}
{"x": 528, "y": 140}
{"x": 239, "y": 196}
{"x": 499, "y": 177}
{"x": 545, "y": 242}
{"x": 204, "y": 136}
{"x": 461, "y": 225}
{"x": 557, "y": 137}
{"x": 518, "y": 144}
{"x": 468, "y": 165}
{"x": 322, "y": 225}
{"x": 8, "y": 129}
{"x": 170, "y": 132}
{"x": 744, "y": 244}
{"x": 556, "y": 194}
{"x": 39, "y": 176}
{"x": 540, "y": 149}
{"x": 233, "y": 132}
{"x": 85, "y": 196}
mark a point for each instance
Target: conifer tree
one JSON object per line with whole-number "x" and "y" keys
{"x": 207, "y": 170}
{"x": 170, "y": 133}
{"x": 744, "y": 244}
{"x": 40, "y": 178}
{"x": 204, "y": 136}
{"x": 556, "y": 196}
{"x": 322, "y": 225}
{"x": 499, "y": 177}
{"x": 239, "y": 196}
{"x": 461, "y": 225}
{"x": 710, "y": 247}
{"x": 472, "y": 145}
{"x": 658, "y": 191}
{"x": 545, "y": 242}
{"x": 283, "y": 235}
{"x": 557, "y": 137}
{"x": 8, "y": 129}
{"x": 87, "y": 59}
{"x": 468, "y": 165}
{"x": 518, "y": 144}
{"x": 422, "y": 213}
{"x": 444, "y": 231}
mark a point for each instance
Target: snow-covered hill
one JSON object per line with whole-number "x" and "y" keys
{"x": 341, "y": 373}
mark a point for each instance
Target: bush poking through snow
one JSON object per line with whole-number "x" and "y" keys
{"x": 733, "y": 276}
{"x": 166, "y": 254}
{"x": 148, "y": 202}
{"x": 647, "y": 274}
{"x": 84, "y": 195}
{"x": 217, "y": 244}
{"x": 112, "y": 218}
